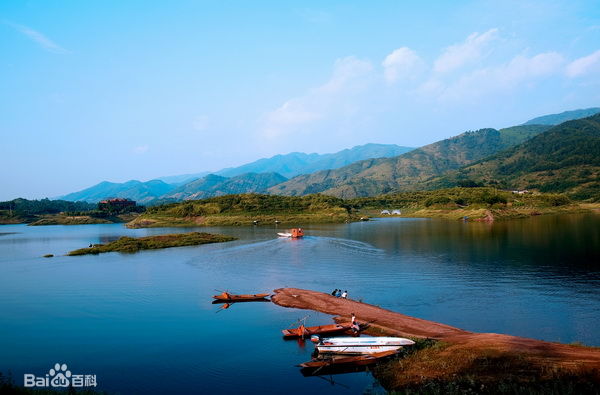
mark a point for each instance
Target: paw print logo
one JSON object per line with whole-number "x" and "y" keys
{"x": 59, "y": 375}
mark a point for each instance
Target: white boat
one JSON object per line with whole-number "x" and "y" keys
{"x": 286, "y": 234}
{"x": 361, "y": 345}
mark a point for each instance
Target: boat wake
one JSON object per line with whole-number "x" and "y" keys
{"x": 356, "y": 247}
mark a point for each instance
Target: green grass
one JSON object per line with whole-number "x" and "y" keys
{"x": 131, "y": 244}
{"x": 451, "y": 203}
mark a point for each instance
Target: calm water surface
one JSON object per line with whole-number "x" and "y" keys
{"x": 144, "y": 323}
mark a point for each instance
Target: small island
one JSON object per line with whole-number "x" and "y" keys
{"x": 133, "y": 244}
{"x": 248, "y": 209}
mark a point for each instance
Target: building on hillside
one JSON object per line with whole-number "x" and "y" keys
{"x": 116, "y": 204}
{"x": 387, "y": 212}
{"x": 396, "y": 212}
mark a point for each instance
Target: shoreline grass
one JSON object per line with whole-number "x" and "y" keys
{"x": 478, "y": 204}
{"x": 443, "y": 368}
{"x": 131, "y": 244}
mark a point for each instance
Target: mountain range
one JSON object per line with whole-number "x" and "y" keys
{"x": 555, "y": 119}
{"x": 559, "y": 158}
{"x": 245, "y": 178}
{"x": 214, "y": 185}
{"x": 566, "y": 158}
{"x": 296, "y": 163}
{"x": 376, "y": 176}
{"x": 142, "y": 192}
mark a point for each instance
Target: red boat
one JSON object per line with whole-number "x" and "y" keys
{"x": 304, "y": 331}
{"x": 227, "y": 297}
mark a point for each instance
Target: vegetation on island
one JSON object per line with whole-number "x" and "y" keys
{"x": 23, "y": 211}
{"x": 247, "y": 209}
{"x": 132, "y": 244}
{"x": 62, "y": 212}
{"x": 453, "y": 203}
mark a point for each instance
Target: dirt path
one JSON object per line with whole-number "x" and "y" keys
{"x": 400, "y": 324}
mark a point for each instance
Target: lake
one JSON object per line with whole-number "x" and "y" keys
{"x": 144, "y": 322}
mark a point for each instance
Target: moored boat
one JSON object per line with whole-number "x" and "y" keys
{"x": 361, "y": 345}
{"x": 227, "y": 297}
{"x": 357, "y": 360}
{"x": 307, "y": 331}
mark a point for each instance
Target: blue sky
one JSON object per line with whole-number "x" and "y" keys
{"x": 119, "y": 90}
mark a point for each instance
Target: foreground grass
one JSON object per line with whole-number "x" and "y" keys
{"x": 440, "y": 368}
{"x": 131, "y": 244}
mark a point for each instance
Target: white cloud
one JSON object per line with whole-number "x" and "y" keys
{"x": 350, "y": 75}
{"x": 584, "y": 65}
{"x": 346, "y": 71}
{"x": 39, "y": 38}
{"x": 457, "y": 55}
{"x": 403, "y": 63}
{"x": 520, "y": 71}
{"x": 140, "y": 149}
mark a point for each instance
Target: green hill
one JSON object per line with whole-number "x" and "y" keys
{"x": 244, "y": 209}
{"x": 565, "y": 158}
{"x": 405, "y": 172}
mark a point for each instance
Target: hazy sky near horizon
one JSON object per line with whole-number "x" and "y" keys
{"x": 119, "y": 90}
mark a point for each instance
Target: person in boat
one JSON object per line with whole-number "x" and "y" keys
{"x": 345, "y": 294}
{"x": 354, "y": 326}
{"x": 338, "y": 293}
{"x": 334, "y": 292}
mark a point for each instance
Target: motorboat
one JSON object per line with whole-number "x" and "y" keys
{"x": 293, "y": 233}
{"x": 361, "y": 345}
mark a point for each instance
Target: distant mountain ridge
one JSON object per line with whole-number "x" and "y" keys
{"x": 141, "y": 192}
{"x": 381, "y": 168}
{"x": 555, "y": 119}
{"x": 295, "y": 163}
{"x": 215, "y": 185}
{"x": 290, "y": 164}
{"x": 405, "y": 172}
